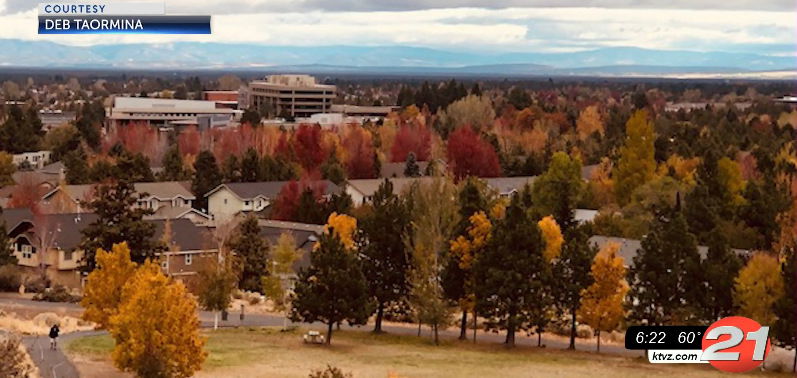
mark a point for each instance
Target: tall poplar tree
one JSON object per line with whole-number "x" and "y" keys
{"x": 637, "y": 164}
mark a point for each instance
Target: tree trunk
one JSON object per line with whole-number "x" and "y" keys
{"x": 794, "y": 365}
{"x": 463, "y": 328}
{"x": 510, "y": 332}
{"x": 436, "y": 337}
{"x": 329, "y": 333}
{"x": 599, "y": 341}
{"x": 572, "y": 345}
{"x": 380, "y": 310}
{"x": 215, "y": 320}
{"x": 539, "y": 338}
{"x": 475, "y": 324}
{"x": 419, "y": 328}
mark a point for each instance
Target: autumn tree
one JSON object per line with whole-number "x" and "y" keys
{"x": 118, "y": 221}
{"x": 216, "y": 284}
{"x": 284, "y": 256}
{"x": 344, "y": 226}
{"x": 434, "y": 218}
{"x": 306, "y": 143}
{"x": 470, "y": 155}
{"x": 14, "y": 361}
{"x": 333, "y": 289}
{"x": 7, "y": 168}
{"x": 206, "y": 178}
{"x": 602, "y": 302}
{"x": 251, "y": 251}
{"x": 156, "y": 328}
{"x": 558, "y": 190}
{"x": 589, "y": 122}
{"x": 102, "y": 294}
{"x": 571, "y": 274}
{"x": 758, "y": 287}
{"x": 358, "y": 144}
{"x": 416, "y": 139}
{"x": 473, "y": 111}
{"x": 636, "y": 165}
{"x": 386, "y": 262}
{"x": 512, "y": 273}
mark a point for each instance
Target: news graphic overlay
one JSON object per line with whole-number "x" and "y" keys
{"x": 116, "y": 17}
{"x": 734, "y": 344}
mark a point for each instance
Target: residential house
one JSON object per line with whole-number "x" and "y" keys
{"x": 305, "y": 235}
{"x": 48, "y": 244}
{"x": 361, "y": 191}
{"x": 227, "y": 200}
{"x": 168, "y": 200}
{"x": 630, "y": 247}
{"x": 34, "y": 160}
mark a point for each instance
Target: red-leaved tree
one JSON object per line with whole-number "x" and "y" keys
{"x": 470, "y": 155}
{"x": 307, "y": 147}
{"x": 416, "y": 138}
{"x": 359, "y": 146}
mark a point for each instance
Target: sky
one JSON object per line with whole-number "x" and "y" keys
{"x": 767, "y": 27}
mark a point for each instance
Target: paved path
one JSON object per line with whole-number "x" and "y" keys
{"x": 53, "y": 363}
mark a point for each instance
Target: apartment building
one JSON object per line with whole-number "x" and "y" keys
{"x": 291, "y": 96}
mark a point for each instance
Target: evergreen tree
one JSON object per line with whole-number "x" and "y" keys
{"x": 785, "y": 328}
{"x": 385, "y": 260}
{"x": 251, "y": 251}
{"x": 475, "y": 90}
{"x": 765, "y": 201}
{"x": 250, "y": 166}
{"x": 572, "y": 275}
{"x": 559, "y": 189}
{"x": 231, "y": 169}
{"x": 277, "y": 169}
{"x": 251, "y": 116}
{"x": 77, "y": 169}
{"x": 6, "y": 253}
{"x": 133, "y": 167}
{"x": 333, "y": 289}
{"x": 206, "y": 178}
{"x": 667, "y": 278}
{"x": 173, "y": 169}
{"x": 512, "y": 273}
{"x": 332, "y": 170}
{"x": 411, "y": 168}
{"x": 118, "y": 221}
{"x": 309, "y": 209}
{"x": 721, "y": 267}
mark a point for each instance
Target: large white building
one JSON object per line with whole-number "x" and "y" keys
{"x": 162, "y": 112}
{"x": 291, "y": 96}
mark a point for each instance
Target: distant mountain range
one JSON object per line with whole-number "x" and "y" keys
{"x": 616, "y": 61}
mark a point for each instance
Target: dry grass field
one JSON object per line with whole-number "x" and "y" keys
{"x": 267, "y": 352}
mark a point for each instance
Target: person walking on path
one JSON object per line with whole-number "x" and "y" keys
{"x": 54, "y": 331}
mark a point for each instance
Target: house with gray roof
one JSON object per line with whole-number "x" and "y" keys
{"x": 229, "y": 199}
{"x": 629, "y": 248}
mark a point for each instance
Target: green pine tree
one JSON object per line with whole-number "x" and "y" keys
{"x": 250, "y": 166}
{"x": 206, "y": 178}
{"x": 251, "y": 250}
{"x": 411, "y": 168}
{"x": 385, "y": 259}
{"x": 558, "y": 190}
{"x": 721, "y": 268}
{"x": 572, "y": 274}
{"x": 173, "y": 168}
{"x": 333, "y": 289}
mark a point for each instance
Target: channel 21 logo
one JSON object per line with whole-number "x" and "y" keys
{"x": 736, "y": 344}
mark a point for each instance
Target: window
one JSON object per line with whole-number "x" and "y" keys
{"x": 164, "y": 264}
{"x": 225, "y": 201}
{"x": 189, "y": 259}
{"x": 27, "y": 251}
{"x": 246, "y": 203}
{"x": 67, "y": 255}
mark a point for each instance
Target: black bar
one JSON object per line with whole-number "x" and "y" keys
{"x": 665, "y": 337}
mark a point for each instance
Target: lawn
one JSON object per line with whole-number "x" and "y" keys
{"x": 267, "y": 352}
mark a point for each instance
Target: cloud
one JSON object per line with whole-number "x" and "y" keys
{"x": 476, "y": 29}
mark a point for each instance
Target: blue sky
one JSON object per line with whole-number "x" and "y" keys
{"x": 762, "y": 27}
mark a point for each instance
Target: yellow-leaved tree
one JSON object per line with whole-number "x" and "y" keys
{"x": 602, "y": 302}
{"x": 102, "y": 295}
{"x": 552, "y": 235}
{"x": 156, "y": 328}
{"x": 465, "y": 248}
{"x": 758, "y": 287}
{"x": 344, "y": 226}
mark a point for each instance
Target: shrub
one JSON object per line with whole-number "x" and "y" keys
{"x": 36, "y": 285}
{"x": 57, "y": 293}
{"x": 13, "y": 361}
{"x": 329, "y": 372}
{"x": 10, "y": 278}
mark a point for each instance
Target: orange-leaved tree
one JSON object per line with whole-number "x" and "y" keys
{"x": 552, "y": 235}
{"x": 602, "y": 302}
{"x": 156, "y": 328}
{"x": 344, "y": 227}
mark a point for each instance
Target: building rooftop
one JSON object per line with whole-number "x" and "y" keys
{"x": 267, "y": 189}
